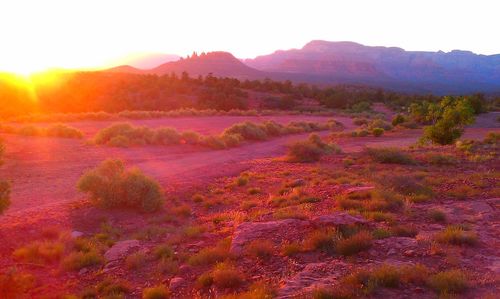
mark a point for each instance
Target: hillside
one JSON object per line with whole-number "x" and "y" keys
{"x": 395, "y": 68}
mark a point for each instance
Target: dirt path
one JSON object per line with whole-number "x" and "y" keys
{"x": 45, "y": 170}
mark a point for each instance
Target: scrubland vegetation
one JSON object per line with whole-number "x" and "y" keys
{"x": 125, "y": 135}
{"x": 57, "y": 130}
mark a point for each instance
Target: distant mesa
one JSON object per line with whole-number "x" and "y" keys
{"x": 324, "y": 62}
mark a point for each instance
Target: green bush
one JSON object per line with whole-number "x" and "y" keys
{"x": 448, "y": 120}
{"x": 398, "y": 119}
{"x": 377, "y": 132}
{"x": 111, "y": 186}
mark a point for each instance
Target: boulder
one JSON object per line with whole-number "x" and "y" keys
{"x": 176, "y": 283}
{"x": 120, "y": 250}
{"x": 338, "y": 218}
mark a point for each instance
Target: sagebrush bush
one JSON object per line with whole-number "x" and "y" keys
{"x": 110, "y": 185}
{"x": 398, "y": 119}
{"x": 248, "y": 130}
{"x": 377, "y": 132}
{"x": 389, "y": 155}
{"x": 310, "y": 150}
{"x": 64, "y": 131}
{"x": 379, "y": 123}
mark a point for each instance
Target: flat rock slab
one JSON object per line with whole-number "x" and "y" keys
{"x": 359, "y": 189}
{"x": 340, "y": 218}
{"x": 312, "y": 276}
{"x": 120, "y": 250}
{"x": 249, "y": 231}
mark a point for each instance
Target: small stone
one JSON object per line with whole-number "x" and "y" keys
{"x": 176, "y": 283}
{"x": 184, "y": 268}
{"x": 418, "y": 290}
{"x": 76, "y": 234}
{"x": 391, "y": 251}
{"x": 83, "y": 271}
{"x": 120, "y": 250}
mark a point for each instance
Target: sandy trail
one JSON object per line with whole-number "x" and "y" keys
{"x": 45, "y": 171}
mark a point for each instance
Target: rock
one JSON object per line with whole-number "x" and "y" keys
{"x": 480, "y": 207}
{"x": 83, "y": 271}
{"x": 391, "y": 251}
{"x": 176, "y": 283}
{"x": 418, "y": 290}
{"x": 338, "y": 218}
{"x": 248, "y": 231}
{"x": 121, "y": 249}
{"x": 312, "y": 275}
{"x": 76, "y": 234}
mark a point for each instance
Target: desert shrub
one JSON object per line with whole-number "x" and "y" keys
{"x": 437, "y": 215}
{"x": 356, "y": 243}
{"x": 291, "y": 249}
{"x": 14, "y": 284}
{"x": 403, "y": 230}
{"x": 166, "y": 136}
{"x": 4, "y": 196}
{"x": 106, "y": 134}
{"x": 168, "y": 266}
{"x": 79, "y": 260}
{"x": 358, "y": 121}
{"x": 205, "y": 280}
{"x": 448, "y": 118}
{"x": 408, "y": 185}
{"x": 257, "y": 290}
{"x": 213, "y": 142}
{"x": 109, "y": 288}
{"x": 309, "y": 150}
{"x": 30, "y": 131}
{"x": 377, "y": 132}
{"x": 360, "y": 133}
{"x": 389, "y": 155}
{"x": 119, "y": 141}
{"x": 379, "y": 123}
{"x": 156, "y": 292}
{"x": 323, "y": 240}
{"x": 456, "y": 235}
{"x": 439, "y": 159}
{"x": 381, "y": 233}
{"x": 448, "y": 282}
{"x": 272, "y": 128}
{"x": 492, "y": 138}
{"x": 226, "y": 275}
{"x": 110, "y": 185}
{"x": 242, "y": 180}
{"x": 40, "y": 252}
{"x": 210, "y": 255}
{"x": 248, "y": 130}
{"x": 262, "y": 249}
{"x": 253, "y": 191}
{"x": 398, "y": 119}
{"x": 232, "y": 140}
{"x": 190, "y": 137}
{"x": 64, "y": 131}
{"x": 135, "y": 260}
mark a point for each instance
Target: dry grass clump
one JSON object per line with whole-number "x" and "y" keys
{"x": 156, "y": 292}
{"x": 448, "y": 282}
{"x": 111, "y": 186}
{"x": 257, "y": 290}
{"x": 413, "y": 187}
{"x": 224, "y": 275}
{"x": 309, "y": 150}
{"x": 356, "y": 243}
{"x": 440, "y": 159}
{"x": 211, "y": 255}
{"x": 40, "y": 252}
{"x": 437, "y": 215}
{"x": 291, "y": 248}
{"x": 323, "y": 240}
{"x": 15, "y": 284}
{"x": 110, "y": 288}
{"x": 456, "y": 235}
{"x": 79, "y": 260}
{"x": 4, "y": 195}
{"x": 135, "y": 260}
{"x": 262, "y": 249}
{"x": 390, "y": 155}
{"x": 377, "y": 132}
{"x": 404, "y": 230}
{"x": 372, "y": 201}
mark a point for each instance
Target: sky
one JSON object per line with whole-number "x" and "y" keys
{"x": 36, "y": 35}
